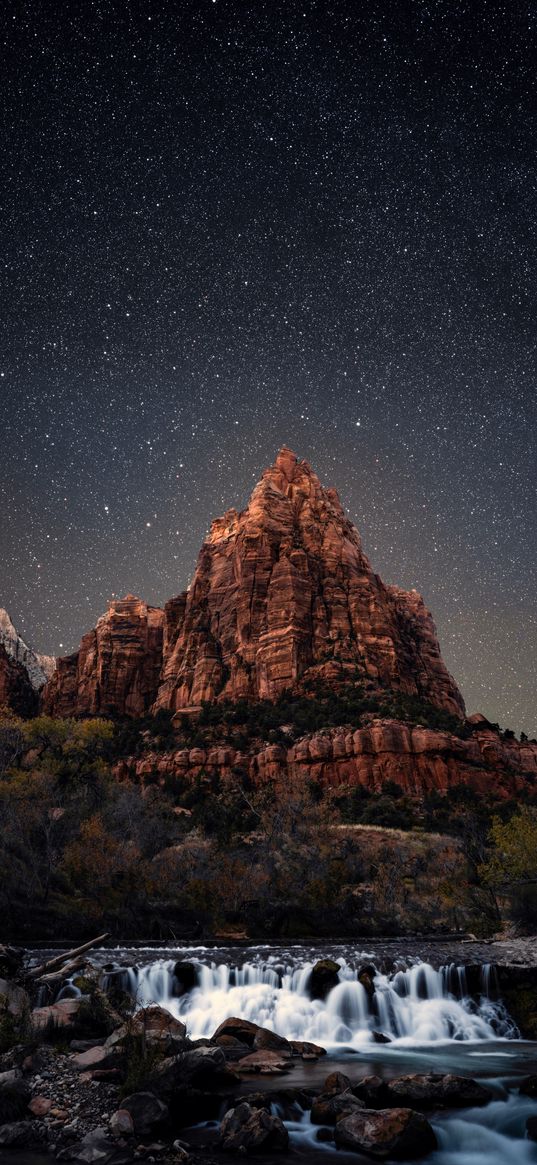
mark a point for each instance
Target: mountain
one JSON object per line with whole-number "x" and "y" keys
{"x": 23, "y": 672}
{"x": 282, "y": 596}
{"x": 38, "y": 667}
{"x": 117, "y": 667}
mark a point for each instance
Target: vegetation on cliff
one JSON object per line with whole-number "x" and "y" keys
{"x": 187, "y": 857}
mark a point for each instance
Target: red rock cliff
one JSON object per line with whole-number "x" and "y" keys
{"x": 284, "y": 588}
{"x": 116, "y": 669}
{"x": 417, "y": 759}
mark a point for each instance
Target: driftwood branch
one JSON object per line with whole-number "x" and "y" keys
{"x": 67, "y": 957}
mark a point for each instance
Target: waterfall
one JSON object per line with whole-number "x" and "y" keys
{"x": 415, "y": 1005}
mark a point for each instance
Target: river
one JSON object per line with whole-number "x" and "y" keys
{"x": 425, "y": 1008}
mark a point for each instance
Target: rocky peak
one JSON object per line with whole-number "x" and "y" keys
{"x": 117, "y": 667}
{"x": 283, "y": 591}
{"x": 38, "y": 667}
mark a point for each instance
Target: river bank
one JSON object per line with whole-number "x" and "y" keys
{"x": 375, "y": 1014}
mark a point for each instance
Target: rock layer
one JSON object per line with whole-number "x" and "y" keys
{"x": 116, "y": 669}
{"x": 419, "y": 760}
{"x": 282, "y": 592}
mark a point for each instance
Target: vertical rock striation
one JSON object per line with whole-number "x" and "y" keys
{"x": 283, "y": 592}
{"x": 116, "y": 669}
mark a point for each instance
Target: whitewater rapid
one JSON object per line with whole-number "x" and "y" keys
{"x": 416, "y": 1005}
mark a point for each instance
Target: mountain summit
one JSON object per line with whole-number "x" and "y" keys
{"x": 282, "y": 595}
{"x": 283, "y": 592}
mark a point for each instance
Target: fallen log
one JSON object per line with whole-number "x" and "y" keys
{"x": 61, "y": 972}
{"x": 66, "y": 957}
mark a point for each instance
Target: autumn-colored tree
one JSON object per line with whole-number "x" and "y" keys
{"x": 105, "y": 870}
{"x": 513, "y": 860}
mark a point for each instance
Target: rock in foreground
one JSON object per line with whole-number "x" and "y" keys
{"x": 398, "y": 1133}
{"x": 248, "y": 1130}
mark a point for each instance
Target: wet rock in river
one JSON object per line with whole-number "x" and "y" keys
{"x": 245, "y": 1130}
{"x": 336, "y": 1082}
{"x": 266, "y": 1040}
{"x": 399, "y": 1133}
{"x": 186, "y": 977}
{"x": 328, "y": 1110}
{"x": 324, "y": 976}
{"x": 267, "y": 1063}
{"x": 242, "y": 1029}
{"x": 433, "y": 1090}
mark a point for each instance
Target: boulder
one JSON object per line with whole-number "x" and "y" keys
{"x": 242, "y": 1029}
{"x": 57, "y": 1015}
{"x": 324, "y": 976}
{"x": 336, "y": 1082}
{"x": 528, "y": 1087}
{"x": 434, "y": 1090}
{"x": 397, "y": 1133}
{"x": 247, "y": 1130}
{"x": 366, "y": 976}
{"x": 265, "y": 1063}
{"x": 307, "y": 1050}
{"x": 146, "y": 1111}
{"x": 328, "y": 1110}
{"x": 121, "y": 1123}
{"x": 157, "y": 1026}
{"x": 96, "y": 1058}
{"x": 372, "y": 1090}
{"x": 266, "y": 1040}
{"x": 198, "y": 1068}
{"x": 186, "y": 977}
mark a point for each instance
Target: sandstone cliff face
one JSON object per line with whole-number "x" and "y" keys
{"x": 16, "y": 691}
{"x": 417, "y": 759}
{"x": 282, "y": 590}
{"x": 117, "y": 667}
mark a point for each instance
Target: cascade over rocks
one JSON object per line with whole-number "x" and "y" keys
{"x": 283, "y": 591}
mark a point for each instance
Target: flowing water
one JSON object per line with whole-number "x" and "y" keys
{"x": 425, "y": 1009}
{"x": 416, "y": 1004}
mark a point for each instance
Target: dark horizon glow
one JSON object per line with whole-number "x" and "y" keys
{"x": 231, "y": 226}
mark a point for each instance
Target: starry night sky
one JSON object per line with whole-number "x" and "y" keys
{"x": 233, "y": 224}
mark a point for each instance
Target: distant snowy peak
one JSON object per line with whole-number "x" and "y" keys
{"x": 39, "y": 667}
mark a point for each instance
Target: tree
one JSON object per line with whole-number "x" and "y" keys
{"x": 513, "y": 860}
